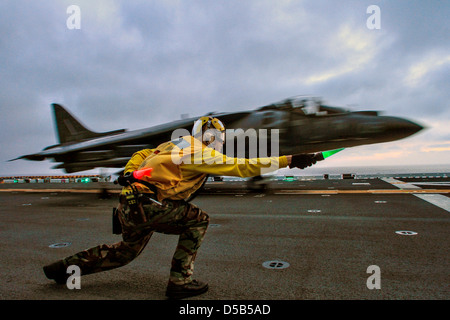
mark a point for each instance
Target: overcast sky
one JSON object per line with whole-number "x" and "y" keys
{"x": 134, "y": 64}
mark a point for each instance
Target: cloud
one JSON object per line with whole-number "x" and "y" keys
{"x": 419, "y": 70}
{"x": 134, "y": 64}
{"x": 444, "y": 147}
{"x": 355, "y": 49}
{"x": 379, "y": 156}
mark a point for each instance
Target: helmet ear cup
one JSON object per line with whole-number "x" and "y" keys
{"x": 208, "y": 136}
{"x": 199, "y": 126}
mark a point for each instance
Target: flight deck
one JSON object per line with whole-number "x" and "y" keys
{"x": 323, "y": 239}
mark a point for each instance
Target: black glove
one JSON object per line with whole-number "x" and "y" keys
{"x": 302, "y": 161}
{"x": 126, "y": 179}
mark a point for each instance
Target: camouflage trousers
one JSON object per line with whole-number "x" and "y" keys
{"x": 175, "y": 217}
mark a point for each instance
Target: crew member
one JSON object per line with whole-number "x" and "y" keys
{"x": 180, "y": 167}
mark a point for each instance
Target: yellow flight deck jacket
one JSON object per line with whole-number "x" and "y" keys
{"x": 181, "y": 165}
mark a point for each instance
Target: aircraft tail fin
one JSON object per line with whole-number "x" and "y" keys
{"x": 69, "y": 129}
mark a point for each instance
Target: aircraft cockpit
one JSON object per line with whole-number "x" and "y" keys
{"x": 305, "y": 105}
{"x": 308, "y": 105}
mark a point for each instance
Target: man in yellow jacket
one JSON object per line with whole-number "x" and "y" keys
{"x": 180, "y": 167}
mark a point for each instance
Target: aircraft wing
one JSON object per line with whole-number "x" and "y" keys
{"x": 82, "y": 149}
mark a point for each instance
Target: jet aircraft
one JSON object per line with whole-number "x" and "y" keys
{"x": 302, "y": 125}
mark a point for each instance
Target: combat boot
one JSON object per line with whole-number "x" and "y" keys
{"x": 57, "y": 271}
{"x": 194, "y": 288}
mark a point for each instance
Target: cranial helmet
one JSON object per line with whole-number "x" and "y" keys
{"x": 208, "y": 130}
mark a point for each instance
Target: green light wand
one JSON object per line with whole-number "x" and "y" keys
{"x": 325, "y": 154}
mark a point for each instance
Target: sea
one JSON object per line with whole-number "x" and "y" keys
{"x": 364, "y": 172}
{"x": 384, "y": 170}
{"x": 357, "y": 172}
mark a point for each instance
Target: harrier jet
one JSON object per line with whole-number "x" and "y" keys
{"x": 299, "y": 125}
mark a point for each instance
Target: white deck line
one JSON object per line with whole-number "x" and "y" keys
{"x": 436, "y": 199}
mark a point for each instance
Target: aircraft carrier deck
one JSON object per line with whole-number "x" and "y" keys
{"x": 300, "y": 240}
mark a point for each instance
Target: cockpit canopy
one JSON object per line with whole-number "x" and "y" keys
{"x": 305, "y": 105}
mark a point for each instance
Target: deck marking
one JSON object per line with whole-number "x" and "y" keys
{"x": 438, "y": 200}
{"x": 370, "y": 191}
{"x": 436, "y": 184}
{"x": 400, "y": 184}
{"x": 435, "y": 198}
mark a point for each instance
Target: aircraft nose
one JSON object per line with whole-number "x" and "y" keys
{"x": 402, "y": 128}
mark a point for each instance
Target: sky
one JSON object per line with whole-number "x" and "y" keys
{"x": 135, "y": 64}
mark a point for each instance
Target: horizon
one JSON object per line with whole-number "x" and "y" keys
{"x": 311, "y": 171}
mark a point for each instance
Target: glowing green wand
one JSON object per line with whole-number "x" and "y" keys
{"x": 325, "y": 154}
